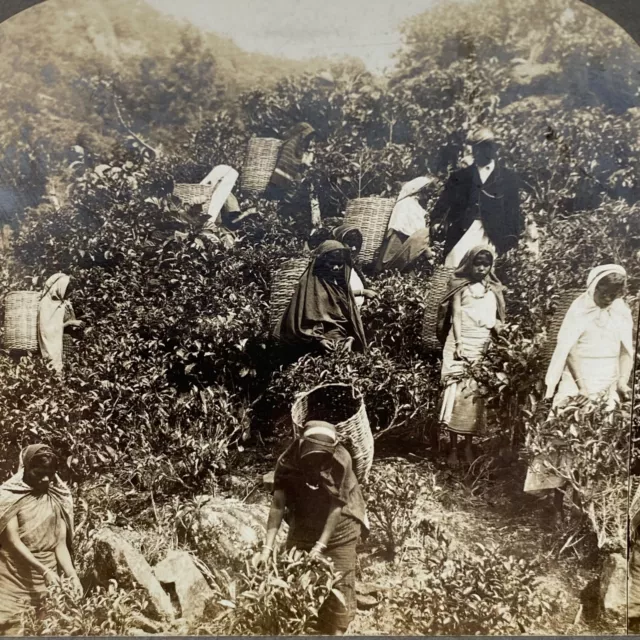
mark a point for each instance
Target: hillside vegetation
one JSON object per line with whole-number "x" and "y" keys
{"x": 168, "y": 74}
{"x": 176, "y": 389}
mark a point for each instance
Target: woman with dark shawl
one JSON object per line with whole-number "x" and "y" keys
{"x": 351, "y": 237}
{"x": 36, "y": 533}
{"x": 323, "y": 311}
{"x": 315, "y": 489}
{"x": 471, "y": 309}
{"x": 407, "y": 237}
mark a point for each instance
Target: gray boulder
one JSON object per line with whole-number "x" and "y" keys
{"x": 224, "y": 531}
{"x": 613, "y": 584}
{"x": 179, "y": 571}
{"x": 115, "y": 559}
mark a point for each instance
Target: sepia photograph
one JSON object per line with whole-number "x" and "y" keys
{"x": 319, "y": 318}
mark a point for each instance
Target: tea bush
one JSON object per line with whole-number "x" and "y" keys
{"x": 280, "y": 599}
{"x": 588, "y": 446}
{"x": 104, "y": 612}
{"x": 471, "y": 592}
{"x": 393, "y": 494}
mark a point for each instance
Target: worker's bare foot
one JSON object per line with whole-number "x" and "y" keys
{"x": 452, "y": 460}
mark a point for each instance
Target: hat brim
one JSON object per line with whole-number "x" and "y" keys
{"x": 309, "y": 446}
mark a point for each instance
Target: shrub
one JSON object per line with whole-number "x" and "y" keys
{"x": 596, "y": 441}
{"x": 479, "y": 591}
{"x": 393, "y": 494}
{"x": 281, "y": 599}
{"x": 104, "y": 612}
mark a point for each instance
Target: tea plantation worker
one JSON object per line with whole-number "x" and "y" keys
{"x": 291, "y": 163}
{"x": 55, "y": 314}
{"x": 289, "y": 182}
{"x": 317, "y": 492}
{"x": 593, "y": 358}
{"x": 471, "y": 309}
{"x": 224, "y": 210}
{"x": 351, "y": 237}
{"x": 407, "y": 237}
{"x": 323, "y": 312}
{"x": 480, "y": 204}
{"x": 36, "y": 530}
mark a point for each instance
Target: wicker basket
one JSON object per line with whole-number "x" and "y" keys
{"x": 342, "y": 406}
{"x": 192, "y": 194}
{"x": 437, "y": 288}
{"x": 283, "y": 285}
{"x": 371, "y": 216}
{"x": 21, "y": 320}
{"x": 565, "y": 300}
{"x": 259, "y": 163}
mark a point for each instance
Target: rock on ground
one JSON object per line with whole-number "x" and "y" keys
{"x": 191, "y": 588}
{"x": 116, "y": 559}
{"x": 225, "y": 530}
{"x": 613, "y": 584}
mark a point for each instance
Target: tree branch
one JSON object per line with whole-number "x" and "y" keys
{"x": 131, "y": 133}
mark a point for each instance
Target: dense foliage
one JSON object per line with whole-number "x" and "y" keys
{"x": 176, "y": 372}
{"x": 284, "y": 600}
{"x": 105, "y": 612}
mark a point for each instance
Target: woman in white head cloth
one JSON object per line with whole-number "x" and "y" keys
{"x": 407, "y": 237}
{"x": 54, "y": 315}
{"x": 593, "y": 358}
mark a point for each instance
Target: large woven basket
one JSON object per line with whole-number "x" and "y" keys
{"x": 194, "y": 193}
{"x": 342, "y": 406}
{"x": 436, "y": 289}
{"x": 565, "y": 300}
{"x": 259, "y": 163}
{"x": 21, "y": 320}
{"x": 283, "y": 285}
{"x": 371, "y": 216}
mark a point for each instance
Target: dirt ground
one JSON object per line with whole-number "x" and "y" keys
{"x": 487, "y": 508}
{"x": 482, "y": 512}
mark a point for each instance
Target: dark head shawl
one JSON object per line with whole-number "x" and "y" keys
{"x": 462, "y": 277}
{"x": 341, "y": 232}
{"x": 323, "y": 304}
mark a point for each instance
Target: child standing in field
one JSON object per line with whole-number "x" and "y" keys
{"x": 471, "y": 309}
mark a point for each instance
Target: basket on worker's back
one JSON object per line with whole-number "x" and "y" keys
{"x": 192, "y": 194}
{"x": 371, "y": 215}
{"x": 342, "y": 406}
{"x": 283, "y": 285}
{"x": 565, "y": 300}
{"x": 21, "y": 320}
{"x": 437, "y": 287}
{"x": 259, "y": 163}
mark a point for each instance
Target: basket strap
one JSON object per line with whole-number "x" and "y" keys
{"x": 44, "y": 293}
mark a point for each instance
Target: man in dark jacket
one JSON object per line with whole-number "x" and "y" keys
{"x": 480, "y": 204}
